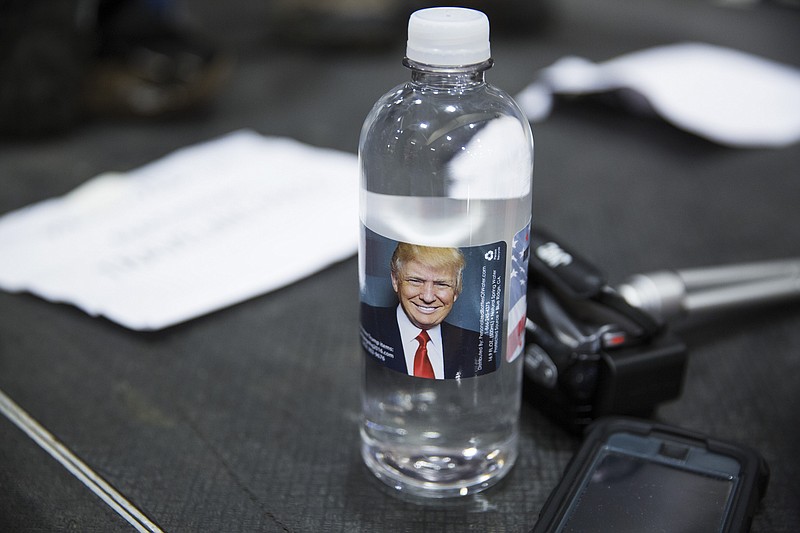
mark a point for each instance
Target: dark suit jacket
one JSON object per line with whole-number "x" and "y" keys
{"x": 459, "y": 345}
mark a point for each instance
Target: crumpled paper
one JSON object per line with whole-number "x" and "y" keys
{"x": 203, "y": 228}
{"x": 729, "y": 97}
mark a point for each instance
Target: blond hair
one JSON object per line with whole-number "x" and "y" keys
{"x": 450, "y": 258}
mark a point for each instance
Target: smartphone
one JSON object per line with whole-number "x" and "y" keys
{"x": 632, "y": 475}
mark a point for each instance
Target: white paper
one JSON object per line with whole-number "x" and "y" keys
{"x": 203, "y": 228}
{"x": 724, "y": 95}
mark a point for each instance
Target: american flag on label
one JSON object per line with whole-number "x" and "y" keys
{"x": 518, "y": 288}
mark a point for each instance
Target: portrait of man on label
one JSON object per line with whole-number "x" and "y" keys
{"x": 414, "y": 336}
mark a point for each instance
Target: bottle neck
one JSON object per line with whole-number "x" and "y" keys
{"x": 440, "y": 77}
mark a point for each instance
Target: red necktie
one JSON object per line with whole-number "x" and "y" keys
{"x": 422, "y": 365}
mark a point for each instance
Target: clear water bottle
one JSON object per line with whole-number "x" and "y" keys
{"x": 446, "y": 167}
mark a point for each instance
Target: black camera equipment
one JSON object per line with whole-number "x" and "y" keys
{"x": 594, "y": 350}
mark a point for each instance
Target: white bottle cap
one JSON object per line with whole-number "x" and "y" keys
{"x": 448, "y": 36}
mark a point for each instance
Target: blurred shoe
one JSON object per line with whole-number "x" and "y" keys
{"x": 148, "y": 66}
{"x": 43, "y": 57}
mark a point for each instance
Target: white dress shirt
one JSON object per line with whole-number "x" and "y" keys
{"x": 408, "y": 335}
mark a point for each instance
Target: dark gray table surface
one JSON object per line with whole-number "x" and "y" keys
{"x": 246, "y": 419}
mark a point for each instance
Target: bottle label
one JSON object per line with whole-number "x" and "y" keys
{"x": 454, "y": 295}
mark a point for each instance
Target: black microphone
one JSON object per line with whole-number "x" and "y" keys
{"x": 593, "y": 349}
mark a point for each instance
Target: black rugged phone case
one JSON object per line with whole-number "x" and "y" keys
{"x": 754, "y": 475}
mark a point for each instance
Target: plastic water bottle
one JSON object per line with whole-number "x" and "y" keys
{"x": 446, "y": 166}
